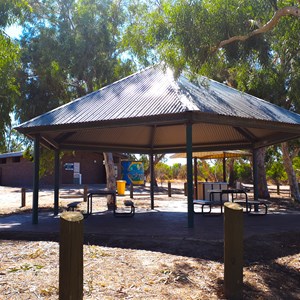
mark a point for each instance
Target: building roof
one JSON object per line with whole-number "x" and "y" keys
{"x": 11, "y": 154}
{"x": 148, "y": 111}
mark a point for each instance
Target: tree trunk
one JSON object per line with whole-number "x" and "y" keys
{"x": 231, "y": 172}
{"x": 287, "y": 162}
{"x": 110, "y": 177}
{"x": 263, "y": 191}
{"x": 157, "y": 159}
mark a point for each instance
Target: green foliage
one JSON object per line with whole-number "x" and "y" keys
{"x": 69, "y": 49}
{"x": 163, "y": 171}
{"x": 9, "y": 90}
{"x": 145, "y": 160}
{"x": 12, "y": 11}
{"x": 274, "y": 166}
{"x": 46, "y": 159}
{"x": 243, "y": 171}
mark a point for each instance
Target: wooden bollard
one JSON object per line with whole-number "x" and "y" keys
{"x": 233, "y": 251}
{"x": 23, "y": 197}
{"x": 131, "y": 190}
{"x": 85, "y": 191}
{"x": 71, "y": 256}
{"x": 185, "y": 189}
{"x": 169, "y": 189}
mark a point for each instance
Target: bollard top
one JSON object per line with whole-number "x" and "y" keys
{"x": 72, "y": 216}
{"x": 233, "y": 206}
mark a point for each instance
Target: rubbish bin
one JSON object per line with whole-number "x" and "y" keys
{"x": 121, "y": 184}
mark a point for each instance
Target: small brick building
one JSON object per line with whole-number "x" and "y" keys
{"x": 15, "y": 170}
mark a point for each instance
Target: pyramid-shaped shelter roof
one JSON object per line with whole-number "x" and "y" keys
{"x": 148, "y": 112}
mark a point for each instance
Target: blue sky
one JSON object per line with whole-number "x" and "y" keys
{"x": 14, "y": 31}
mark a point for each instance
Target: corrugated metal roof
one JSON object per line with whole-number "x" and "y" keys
{"x": 213, "y": 97}
{"x": 149, "y": 92}
{"x": 154, "y": 92}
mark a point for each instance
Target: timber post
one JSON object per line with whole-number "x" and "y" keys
{"x": 85, "y": 192}
{"x": 71, "y": 256}
{"x": 233, "y": 251}
{"x": 131, "y": 190}
{"x": 23, "y": 197}
{"x": 169, "y": 189}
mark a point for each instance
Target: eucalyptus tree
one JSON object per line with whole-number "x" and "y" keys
{"x": 69, "y": 49}
{"x": 251, "y": 45}
{"x": 10, "y": 13}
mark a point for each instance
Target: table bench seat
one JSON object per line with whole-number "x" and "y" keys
{"x": 127, "y": 203}
{"x": 204, "y": 203}
{"x": 72, "y": 206}
{"x": 261, "y": 204}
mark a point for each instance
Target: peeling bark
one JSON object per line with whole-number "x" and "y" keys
{"x": 288, "y": 165}
{"x": 263, "y": 191}
{"x": 110, "y": 177}
{"x": 231, "y": 171}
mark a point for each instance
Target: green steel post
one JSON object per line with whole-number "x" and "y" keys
{"x": 224, "y": 169}
{"x": 152, "y": 181}
{"x": 189, "y": 164}
{"x": 36, "y": 180}
{"x": 56, "y": 182}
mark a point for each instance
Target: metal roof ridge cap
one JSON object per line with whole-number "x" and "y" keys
{"x": 186, "y": 101}
{"x": 126, "y": 77}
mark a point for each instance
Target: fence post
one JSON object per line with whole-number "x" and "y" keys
{"x": 185, "y": 189}
{"x": 85, "y": 191}
{"x": 71, "y": 256}
{"x": 169, "y": 189}
{"x": 23, "y": 197}
{"x": 131, "y": 190}
{"x": 233, "y": 251}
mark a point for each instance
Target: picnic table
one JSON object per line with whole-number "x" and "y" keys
{"x": 229, "y": 192}
{"x": 100, "y": 192}
{"x": 105, "y": 192}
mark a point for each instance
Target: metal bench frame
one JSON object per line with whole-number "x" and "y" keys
{"x": 127, "y": 203}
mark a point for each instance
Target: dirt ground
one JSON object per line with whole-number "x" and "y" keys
{"x": 29, "y": 269}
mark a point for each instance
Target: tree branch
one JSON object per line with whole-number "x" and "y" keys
{"x": 286, "y": 11}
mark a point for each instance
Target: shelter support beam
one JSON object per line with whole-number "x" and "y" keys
{"x": 56, "y": 181}
{"x": 36, "y": 180}
{"x": 151, "y": 159}
{"x": 246, "y": 134}
{"x": 152, "y": 180}
{"x": 189, "y": 164}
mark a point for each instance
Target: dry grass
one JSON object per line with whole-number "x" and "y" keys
{"x": 29, "y": 270}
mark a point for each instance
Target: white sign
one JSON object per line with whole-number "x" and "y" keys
{"x": 76, "y": 167}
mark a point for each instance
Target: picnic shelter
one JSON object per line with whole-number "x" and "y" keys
{"x": 151, "y": 112}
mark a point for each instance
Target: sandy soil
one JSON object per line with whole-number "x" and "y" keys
{"x": 29, "y": 269}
